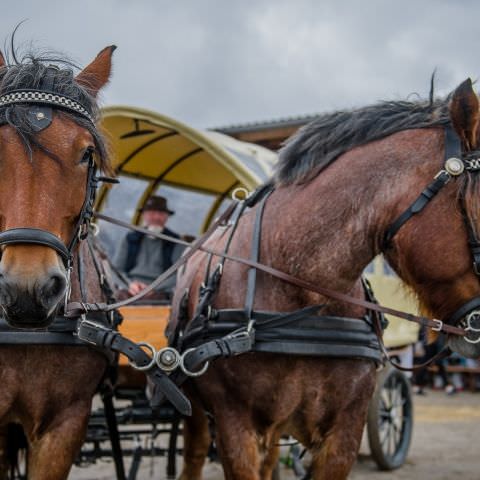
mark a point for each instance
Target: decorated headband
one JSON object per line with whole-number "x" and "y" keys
{"x": 44, "y": 98}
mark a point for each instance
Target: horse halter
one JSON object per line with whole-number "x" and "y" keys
{"x": 40, "y": 115}
{"x": 456, "y": 163}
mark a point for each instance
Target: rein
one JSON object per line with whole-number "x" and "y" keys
{"x": 76, "y": 308}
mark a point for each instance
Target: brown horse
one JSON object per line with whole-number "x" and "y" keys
{"x": 46, "y": 389}
{"x": 340, "y": 183}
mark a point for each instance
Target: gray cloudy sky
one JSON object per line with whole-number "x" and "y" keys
{"x": 213, "y": 63}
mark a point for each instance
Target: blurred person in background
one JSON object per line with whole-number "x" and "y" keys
{"x": 141, "y": 258}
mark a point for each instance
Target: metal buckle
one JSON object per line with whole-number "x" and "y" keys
{"x": 90, "y": 323}
{"x": 185, "y": 369}
{"x": 68, "y": 289}
{"x": 242, "y": 332}
{"x": 440, "y": 173}
{"x": 439, "y": 326}
{"x": 149, "y": 365}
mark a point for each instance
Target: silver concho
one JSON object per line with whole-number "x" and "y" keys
{"x": 454, "y": 166}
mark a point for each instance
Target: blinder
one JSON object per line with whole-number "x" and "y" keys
{"x": 456, "y": 163}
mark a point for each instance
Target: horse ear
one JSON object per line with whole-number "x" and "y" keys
{"x": 464, "y": 113}
{"x": 3, "y": 63}
{"x": 96, "y": 75}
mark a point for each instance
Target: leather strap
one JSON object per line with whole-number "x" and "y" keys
{"x": 235, "y": 343}
{"x": 106, "y": 338}
{"x": 75, "y": 309}
{"x": 254, "y": 255}
{"x": 464, "y": 309}
{"x": 35, "y": 236}
{"x": 417, "y": 206}
{"x": 295, "y": 333}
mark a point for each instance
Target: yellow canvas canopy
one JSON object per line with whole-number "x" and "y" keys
{"x": 197, "y": 171}
{"x": 162, "y": 151}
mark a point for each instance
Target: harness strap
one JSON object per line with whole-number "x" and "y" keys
{"x": 35, "y": 236}
{"x": 301, "y": 333}
{"x": 417, "y": 206}
{"x": 464, "y": 309}
{"x": 210, "y": 284}
{"x": 75, "y": 309}
{"x": 453, "y": 149}
{"x": 254, "y": 255}
{"x": 108, "y": 339}
{"x": 112, "y": 425}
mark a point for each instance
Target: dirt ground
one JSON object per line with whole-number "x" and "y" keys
{"x": 445, "y": 446}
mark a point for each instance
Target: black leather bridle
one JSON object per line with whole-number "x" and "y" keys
{"x": 456, "y": 163}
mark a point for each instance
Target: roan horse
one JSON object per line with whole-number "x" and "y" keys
{"x": 46, "y": 389}
{"x": 341, "y": 182}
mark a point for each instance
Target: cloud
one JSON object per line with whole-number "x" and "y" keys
{"x": 213, "y": 63}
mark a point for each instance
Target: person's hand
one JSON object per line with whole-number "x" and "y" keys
{"x": 136, "y": 287}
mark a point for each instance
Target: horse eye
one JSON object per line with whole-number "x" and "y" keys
{"x": 87, "y": 155}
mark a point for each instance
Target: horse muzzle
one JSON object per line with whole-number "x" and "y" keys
{"x": 32, "y": 304}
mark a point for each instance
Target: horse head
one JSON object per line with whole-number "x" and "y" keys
{"x": 50, "y": 149}
{"x": 436, "y": 250}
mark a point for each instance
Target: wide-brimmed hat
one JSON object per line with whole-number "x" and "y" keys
{"x": 158, "y": 203}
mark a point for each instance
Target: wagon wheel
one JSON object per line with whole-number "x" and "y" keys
{"x": 390, "y": 419}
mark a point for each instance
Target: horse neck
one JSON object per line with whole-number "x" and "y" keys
{"x": 330, "y": 229}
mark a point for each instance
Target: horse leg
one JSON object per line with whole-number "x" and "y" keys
{"x": 53, "y": 452}
{"x": 196, "y": 442}
{"x": 334, "y": 458}
{"x": 237, "y": 444}
{"x": 270, "y": 459}
{"x": 4, "y": 463}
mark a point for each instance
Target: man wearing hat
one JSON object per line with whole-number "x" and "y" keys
{"x": 143, "y": 258}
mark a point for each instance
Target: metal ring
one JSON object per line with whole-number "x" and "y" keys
{"x": 152, "y": 361}
{"x": 477, "y": 340}
{"x": 188, "y": 372}
{"x": 469, "y": 318}
{"x": 235, "y": 193}
{"x": 167, "y": 367}
{"x": 95, "y": 229}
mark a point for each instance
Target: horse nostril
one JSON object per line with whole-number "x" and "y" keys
{"x": 53, "y": 288}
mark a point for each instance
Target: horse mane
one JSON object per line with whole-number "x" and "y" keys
{"x": 314, "y": 146}
{"x": 25, "y": 71}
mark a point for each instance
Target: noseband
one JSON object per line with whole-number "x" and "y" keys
{"x": 40, "y": 115}
{"x": 456, "y": 163}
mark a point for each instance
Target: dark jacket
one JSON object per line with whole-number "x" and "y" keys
{"x": 134, "y": 240}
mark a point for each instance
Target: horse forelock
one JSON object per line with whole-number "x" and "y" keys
{"x": 26, "y": 72}
{"x": 319, "y": 143}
